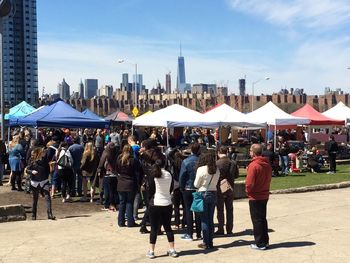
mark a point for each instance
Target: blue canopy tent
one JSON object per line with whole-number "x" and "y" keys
{"x": 91, "y": 114}
{"x": 20, "y": 110}
{"x": 59, "y": 115}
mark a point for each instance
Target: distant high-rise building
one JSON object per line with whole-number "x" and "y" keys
{"x": 64, "y": 90}
{"x": 125, "y": 82}
{"x": 168, "y": 83}
{"x": 139, "y": 83}
{"x": 106, "y": 90}
{"x": 20, "y": 67}
{"x": 181, "y": 76}
{"x": 91, "y": 86}
{"x": 81, "y": 89}
{"x": 241, "y": 87}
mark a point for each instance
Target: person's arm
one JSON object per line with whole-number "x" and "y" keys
{"x": 250, "y": 180}
{"x": 151, "y": 186}
{"x": 183, "y": 176}
{"x": 198, "y": 181}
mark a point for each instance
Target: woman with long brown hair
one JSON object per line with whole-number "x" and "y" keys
{"x": 127, "y": 168}
{"x": 16, "y": 157}
{"x": 207, "y": 177}
{"x": 39, "y": 171}
{"x": 89, "y": 163}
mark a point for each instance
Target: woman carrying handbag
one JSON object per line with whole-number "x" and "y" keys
{"x": 207, "y": 177}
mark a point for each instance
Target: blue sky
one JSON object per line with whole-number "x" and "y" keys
{"x": 297, "y": 43}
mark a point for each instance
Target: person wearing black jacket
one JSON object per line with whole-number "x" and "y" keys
{"x": 228, "y": 170}
{"x": 127, "y": 168}
{"x": 3, "y": 159}
{"x": 39, "y": 170}
{"x": 332, "y": 150}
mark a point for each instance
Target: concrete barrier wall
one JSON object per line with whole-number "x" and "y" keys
{"x": 10, "y": 213}
{"x": 239, "y": 190}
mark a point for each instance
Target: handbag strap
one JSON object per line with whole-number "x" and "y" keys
{"x": 208, "y": 185}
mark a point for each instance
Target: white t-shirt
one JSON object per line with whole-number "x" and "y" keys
{"x": 162, "y": 197}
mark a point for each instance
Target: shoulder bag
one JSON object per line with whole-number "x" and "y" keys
{"x": 198, "y": 201}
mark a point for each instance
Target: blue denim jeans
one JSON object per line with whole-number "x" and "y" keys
{"x": 188, "y": 198}
{"x": 126, "y": 204}
{"x": 284, "y": 164}
{"x": 207, "y": 217}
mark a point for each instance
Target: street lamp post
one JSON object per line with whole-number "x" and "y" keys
{"x": 253, "y": 84}
{"x": 135, "y": 82}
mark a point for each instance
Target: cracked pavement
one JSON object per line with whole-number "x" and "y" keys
{"x": 304, "y": 227}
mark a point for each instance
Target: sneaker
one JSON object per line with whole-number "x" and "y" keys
{"x": 186, "y": 237}
{"x": 104, "y": 209}
{"x": 330, "y": 172}
{"x": 150, "y": 254}
{"x": 172, "y": 253}
{"x": 254, "y": 246}
{"x": 63, "y": 200}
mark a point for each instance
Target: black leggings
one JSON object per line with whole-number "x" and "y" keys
{"x": 16, "y": 178}
{"x": 160, "y": 215}
{"x": 36, "y": 191}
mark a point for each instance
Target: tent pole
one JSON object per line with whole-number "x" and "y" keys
{"x": 8, "y": 135}
{"x": 275, "y": 138}
{"x": 36, "y": 133}
{"x": 309, "y": 135}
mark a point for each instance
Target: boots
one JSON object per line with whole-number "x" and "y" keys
{"x": 144, "y": 230}
{"x": 50, "y": 215}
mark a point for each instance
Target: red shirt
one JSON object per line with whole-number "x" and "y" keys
{"x": 257, "y": 183}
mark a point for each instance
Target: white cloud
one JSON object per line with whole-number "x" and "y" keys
{"x": 308, "y": 13}
{"x": 314, "y": 65}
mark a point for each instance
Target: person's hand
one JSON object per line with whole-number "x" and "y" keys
{"x": 34, "y": 172}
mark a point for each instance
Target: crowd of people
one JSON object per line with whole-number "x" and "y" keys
{"x": 127, "y": 172}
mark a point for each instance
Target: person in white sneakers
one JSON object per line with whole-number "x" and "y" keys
{"x": 160, "y": 206}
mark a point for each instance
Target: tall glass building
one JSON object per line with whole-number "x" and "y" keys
{"x": 91, "y": 86}
{"x": 20, "y": 54}
{"x": 181, "y": 77}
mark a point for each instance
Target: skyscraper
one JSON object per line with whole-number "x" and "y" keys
{"x": 20, "y": 54}
{"x": 168, "y": 83}
{"x": 125, "y": 82}
{"x": 181, "y": 77}
{"x": 241, "y": 87}
{"x": 91, "y": 86}
{"x": 64, "y": 90}
{"x": 81, "y": 89}
{"x": 139, "y": 82}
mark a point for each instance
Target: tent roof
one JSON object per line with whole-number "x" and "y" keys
{"x": 173, "y": 116}
{"x": 20, "y": 110}
{"x": 227, "y": 115}
{"x": 58, "y": 115}
{"x": 339, "y": 111}
{"x": 273, "y": 115}
{"x": 119, "y": 116}
{"x": 91, "y": 114}
{"x": 316, "y": 118}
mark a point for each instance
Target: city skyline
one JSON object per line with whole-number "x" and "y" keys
{"x": 298, "y": 44}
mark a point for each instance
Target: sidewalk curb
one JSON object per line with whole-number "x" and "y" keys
{"x": 312, "y": 188}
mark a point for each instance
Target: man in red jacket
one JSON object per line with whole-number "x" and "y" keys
{"x": 258, "y": 182}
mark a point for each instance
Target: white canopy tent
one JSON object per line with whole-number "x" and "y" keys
{"x": 273, "y": 115}
{"x": 174, "y": 116}
{"x": 227, "y": 115}
{"x": 339, "y": 111}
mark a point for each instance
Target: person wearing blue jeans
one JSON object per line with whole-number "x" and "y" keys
{"x": 207, "y": 178}
{"x": 284, "y": 164}
{"x": 187, "y": 177}
{"x": 207, "y": 217}
{"x": 126, "y": 202}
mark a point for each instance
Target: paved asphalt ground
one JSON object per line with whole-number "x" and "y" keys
{"x": 306, "y": 227}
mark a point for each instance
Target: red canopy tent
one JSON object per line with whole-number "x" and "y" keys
{"x": 119, "y": 116}
{"x": 316, "y": 118}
